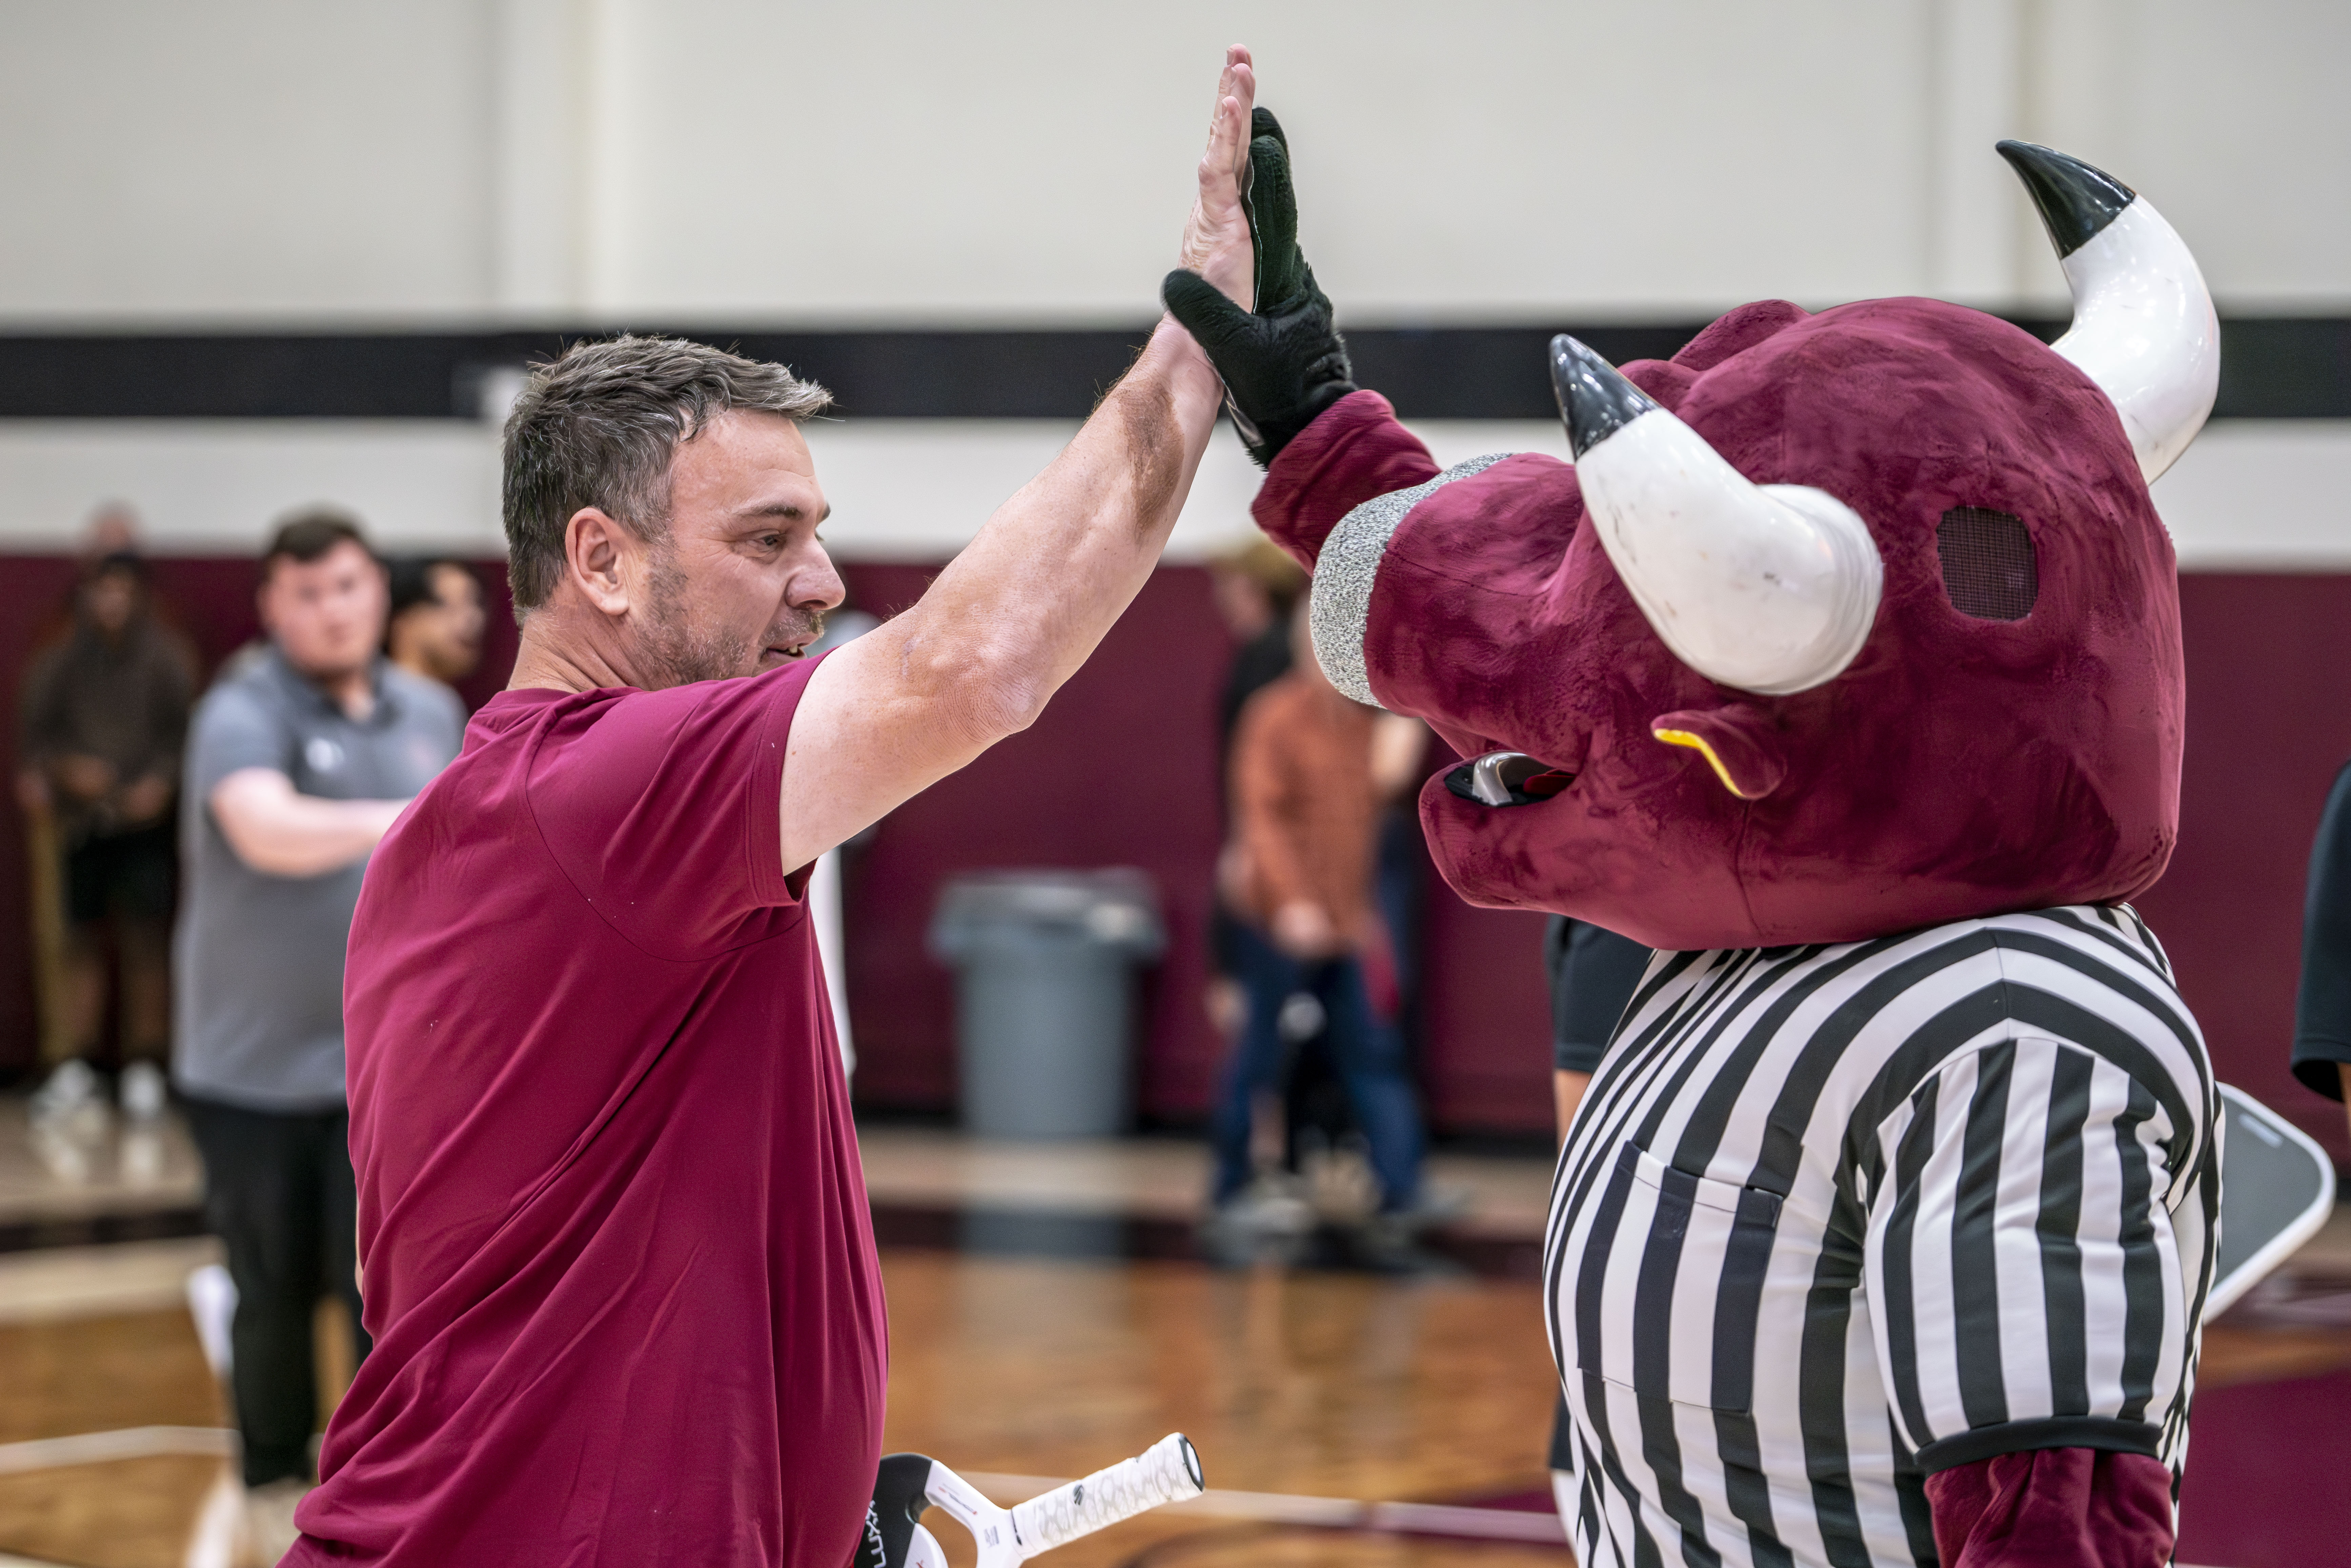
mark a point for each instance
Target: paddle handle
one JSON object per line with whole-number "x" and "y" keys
{"x": 1167, "y": 1471}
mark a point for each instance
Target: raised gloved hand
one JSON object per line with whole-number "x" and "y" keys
{"x": 1284, "y": 362}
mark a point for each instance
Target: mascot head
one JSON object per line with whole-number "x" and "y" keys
{"x": 1842, "y": 623}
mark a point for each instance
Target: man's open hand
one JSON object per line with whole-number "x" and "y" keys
{"x": 1276, "y": 344}
{"x": 1216, "y": 242}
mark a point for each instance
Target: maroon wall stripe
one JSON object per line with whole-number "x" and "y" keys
{"x": 1122, "y": 770}
{"x": 2269, "y": 724}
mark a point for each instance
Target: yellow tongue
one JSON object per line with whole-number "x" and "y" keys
{"x": 1697, "y": 743}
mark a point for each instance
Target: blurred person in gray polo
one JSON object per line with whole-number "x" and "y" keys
{"x": 298, "y": 761}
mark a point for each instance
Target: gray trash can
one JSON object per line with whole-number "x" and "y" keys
{"x": 1044, "y": 995}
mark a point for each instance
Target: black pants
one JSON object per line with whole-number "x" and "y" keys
{"x": 280, "y": 1193}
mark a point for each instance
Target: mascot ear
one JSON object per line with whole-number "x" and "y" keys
{"x": 2144, "y": 327}
{"x": 1737, "y": 742}
{"x": 1772, "y": 589}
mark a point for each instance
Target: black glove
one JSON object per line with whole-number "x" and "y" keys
{"x": 1284, "y": 362}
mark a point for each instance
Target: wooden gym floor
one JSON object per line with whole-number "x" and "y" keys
{"x": 1328, "y": 1385}
{"x": 1308, "y": 1392}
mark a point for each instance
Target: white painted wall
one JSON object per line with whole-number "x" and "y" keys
{"x": 755, "y": 160}
{"x": 2230, "y": 115}
{"x": 215, "y": 486}
{"x": 274, "y": 158}
{"x": 251, "y": 161}
{"x": 2251, "y": 494}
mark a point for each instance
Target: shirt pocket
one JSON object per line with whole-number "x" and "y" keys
{"x": 1669, "y": 1307}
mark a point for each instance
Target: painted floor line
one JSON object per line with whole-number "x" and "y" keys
{"x": 101, "y": 1448}
{"x": 1271, "y": 1508}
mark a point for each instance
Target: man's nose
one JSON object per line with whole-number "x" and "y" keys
{"x": 824, "y": 587}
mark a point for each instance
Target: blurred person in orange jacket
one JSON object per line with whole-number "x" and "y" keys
{"x": 1308, "y": 771}
{"x": 1255, "y": 587}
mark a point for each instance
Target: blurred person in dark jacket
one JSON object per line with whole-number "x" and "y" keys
{"x": 436, "y": 626}
{"x": 1593, "y": 975}
{"x": 2322, "y": 1021}
{"x": 105, "y": 715}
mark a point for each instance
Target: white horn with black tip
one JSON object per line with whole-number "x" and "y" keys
{"x": 1768, "y": 588}
{"x": 2144, "y": 325}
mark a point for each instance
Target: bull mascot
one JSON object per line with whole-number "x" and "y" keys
{"x": 1842, "y": 667}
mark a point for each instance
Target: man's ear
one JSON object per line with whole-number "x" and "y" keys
{"x": 595, "y": 549}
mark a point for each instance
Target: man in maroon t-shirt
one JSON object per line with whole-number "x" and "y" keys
{"x": 612, "y": 1231}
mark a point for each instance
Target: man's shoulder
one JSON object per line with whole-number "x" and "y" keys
{"x": 741, "y": 705}
{"x": 2337, "y": 815}
{"x": 1278, "y": 698}
{"x": 241, "y": 693}
{"x": 166, "y": 649}
{"x": 598, "y": 741}
{"x": 420, "y": 695}
{"x": 43, "y": 669}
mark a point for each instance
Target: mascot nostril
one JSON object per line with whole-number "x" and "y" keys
{"x": 1842, "y": 666}
{"x": 1506, "y": 778}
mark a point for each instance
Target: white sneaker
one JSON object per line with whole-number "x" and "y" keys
{"x": 211, "y": 1302}
{"x": 144, "y": 1093}
{"x": 70, "y": 1092}
{"x": 269, "y": 1517}
{"x": 1267, "y": 1206}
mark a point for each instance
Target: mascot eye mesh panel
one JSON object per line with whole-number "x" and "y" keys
{"x": 1989, "y": 568}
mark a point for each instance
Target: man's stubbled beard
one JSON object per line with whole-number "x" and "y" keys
{"x": 677, "y": 650}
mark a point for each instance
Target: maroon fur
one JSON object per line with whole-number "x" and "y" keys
{"x": 2053, "y": 1508}
{"x": 1959, "y": 768}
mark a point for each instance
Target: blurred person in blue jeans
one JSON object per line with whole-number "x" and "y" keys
{"x": 1308, "y": 770}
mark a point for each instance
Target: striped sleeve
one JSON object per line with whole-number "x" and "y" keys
{"x": 2022, "y": 1259}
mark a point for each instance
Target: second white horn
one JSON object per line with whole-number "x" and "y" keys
{"x": 1772, "y": 589}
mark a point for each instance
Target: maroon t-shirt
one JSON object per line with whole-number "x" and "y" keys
{"x": 612, "y": 1229}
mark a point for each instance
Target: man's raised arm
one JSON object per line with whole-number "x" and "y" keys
{"x": 1015, "y": 614}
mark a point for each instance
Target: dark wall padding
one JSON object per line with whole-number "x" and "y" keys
{"x": 2271, "y": 367}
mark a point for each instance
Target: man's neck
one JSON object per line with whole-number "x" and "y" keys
{"x": 414, "y": 661}
{"x": 353, "y": 691}
{"x": 553, "y": 658}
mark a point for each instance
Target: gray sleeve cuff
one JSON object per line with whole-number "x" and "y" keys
{"x": 2102, "y": 1432}
{"x": 1577, "y": 1055}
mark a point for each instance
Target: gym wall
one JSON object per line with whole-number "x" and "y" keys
{"x": 269, "y": 252}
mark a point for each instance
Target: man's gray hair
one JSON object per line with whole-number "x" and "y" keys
{"x": 599, "y": 426}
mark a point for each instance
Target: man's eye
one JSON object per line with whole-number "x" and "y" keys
{"x": 770, "y": 541}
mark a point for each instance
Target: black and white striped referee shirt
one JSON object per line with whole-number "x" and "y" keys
{"x": 1832, "y": 1218}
